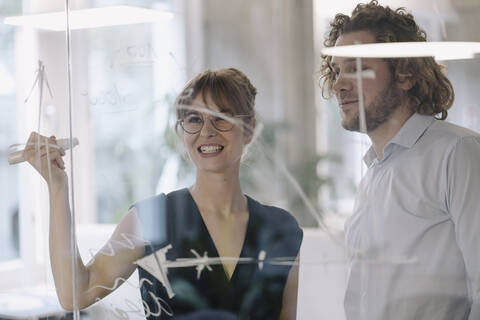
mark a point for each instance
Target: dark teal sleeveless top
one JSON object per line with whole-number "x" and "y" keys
{"x": 253, "y": 292}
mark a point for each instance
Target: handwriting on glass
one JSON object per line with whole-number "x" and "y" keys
{"x": 143, "y": 54}
{"x": 112, "y": 97}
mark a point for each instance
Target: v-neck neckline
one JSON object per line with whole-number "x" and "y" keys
{"x": 212, "y": 243}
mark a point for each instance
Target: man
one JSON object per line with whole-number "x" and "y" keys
{"x": 414, "y": 236}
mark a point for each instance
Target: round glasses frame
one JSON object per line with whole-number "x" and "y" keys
{"x": 221, "y": 121}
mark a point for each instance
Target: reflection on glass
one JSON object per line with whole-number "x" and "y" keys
{"x": 125, "y": 79}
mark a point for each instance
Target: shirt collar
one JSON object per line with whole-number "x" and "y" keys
{"x": 412, "y": 130}
{"x": 406, "y": 137}
{"x": 369, "y": 157}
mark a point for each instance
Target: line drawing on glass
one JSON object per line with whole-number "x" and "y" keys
{"x": 73, "y": 236}
{"x": 441, "y": 20}
{"x": 360, "y": 74}
{"x": 132, "y": 308}
{"x": 40, "y": 79}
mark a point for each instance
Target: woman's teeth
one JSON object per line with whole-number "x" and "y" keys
{"x": 210, "y": 149}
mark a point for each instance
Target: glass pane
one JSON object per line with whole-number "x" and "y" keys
{"x": 219, "y": 224}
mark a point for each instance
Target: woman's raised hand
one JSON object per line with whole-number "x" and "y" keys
{"x": 46, "y": 157}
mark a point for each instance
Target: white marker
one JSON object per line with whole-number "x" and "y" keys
{"x": 15, "y": 157}
{"x": 261, "y": 258}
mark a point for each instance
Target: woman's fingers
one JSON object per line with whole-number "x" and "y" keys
{"x": 33, "y": 153}
{"x": 59, "y": 161}
{"x": 35, "y": 140}
{"x": 45, "y": 156}
{"x": 55, "y": 157}
{"x": 43, "y": 148}
{"x": 52, "y": 156}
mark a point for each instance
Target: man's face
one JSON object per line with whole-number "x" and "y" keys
{"x": 381, "y": 97}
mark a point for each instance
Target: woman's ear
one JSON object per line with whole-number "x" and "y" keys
{"x": 249, "y": 130}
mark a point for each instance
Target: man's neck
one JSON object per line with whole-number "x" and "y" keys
{"x": 387, "y": 130}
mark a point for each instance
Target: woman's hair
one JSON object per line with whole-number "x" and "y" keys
{"x": 229, "y": 89}
{"x": 431, "y": 93}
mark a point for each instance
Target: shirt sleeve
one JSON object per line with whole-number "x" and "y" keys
{"x": 463, "y": 203}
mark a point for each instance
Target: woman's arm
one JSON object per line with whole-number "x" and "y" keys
{"x": 114, "y": 262}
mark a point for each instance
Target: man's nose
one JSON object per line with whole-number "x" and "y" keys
{"x": 342, "y": 83}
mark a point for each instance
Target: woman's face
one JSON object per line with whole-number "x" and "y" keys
{"x": 210, "y": 149}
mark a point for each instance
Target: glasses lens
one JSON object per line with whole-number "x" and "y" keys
{"x": 223, "y": 122}
{"x": 192, "y": 123}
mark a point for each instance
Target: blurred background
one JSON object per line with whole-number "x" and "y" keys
{"x": 124, "y": 80}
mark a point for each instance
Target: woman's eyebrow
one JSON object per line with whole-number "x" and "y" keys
{"x": 189, "y": 112}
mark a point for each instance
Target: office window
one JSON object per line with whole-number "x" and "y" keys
{"x": 9, "y": 208}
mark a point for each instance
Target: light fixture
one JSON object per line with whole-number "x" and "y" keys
{"x": 89, "y": 18}
{"x": 440, "y": 50}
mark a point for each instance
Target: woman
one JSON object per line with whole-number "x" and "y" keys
{"x": 212, "y": 218}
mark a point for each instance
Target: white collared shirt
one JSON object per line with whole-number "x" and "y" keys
{"x": 414, "y": 237}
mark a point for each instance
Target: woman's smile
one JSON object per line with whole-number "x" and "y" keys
{"x": 210, "y": 150}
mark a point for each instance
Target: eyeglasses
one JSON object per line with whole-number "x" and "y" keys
{"x": 221, "y": 121}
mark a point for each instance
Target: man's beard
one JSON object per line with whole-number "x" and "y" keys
{"x": 378, "y": 111}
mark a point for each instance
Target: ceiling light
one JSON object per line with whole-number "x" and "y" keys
{"x": 441, "y": 50}
{"x": 89, "y": 18}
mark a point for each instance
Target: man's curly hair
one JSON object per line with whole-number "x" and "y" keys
{"x": 431, "y": 93}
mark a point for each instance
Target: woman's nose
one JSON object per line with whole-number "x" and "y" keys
{"x": 208, "y": 129}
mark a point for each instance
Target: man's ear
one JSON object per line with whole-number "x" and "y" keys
{"x": 405, "y": 81}
{"x": 249, "y": 130}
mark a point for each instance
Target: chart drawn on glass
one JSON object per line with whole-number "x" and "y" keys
{"x": 40, "y": 79}
{"x": 16, "y": 151}
{"x": 157, "y": 264}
